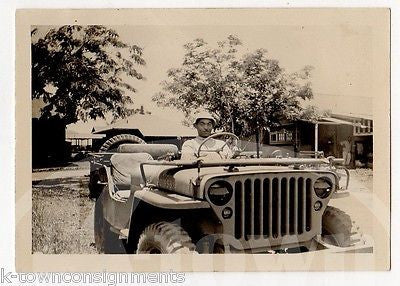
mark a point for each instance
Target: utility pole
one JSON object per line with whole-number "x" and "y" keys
{"x": 316, "y": 140}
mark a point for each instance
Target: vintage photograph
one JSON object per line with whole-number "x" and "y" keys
{"x": 206, "y": 138}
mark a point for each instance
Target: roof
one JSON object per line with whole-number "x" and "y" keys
{"x": 151, "y": 125}
{"x": 75, "y": 135}
{"x": 340, "y": 121}
{"x": 352, "y": 115}
{"x": 334, "y": 121}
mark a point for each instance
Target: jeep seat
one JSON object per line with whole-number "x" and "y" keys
{"x": 125, "y": 170}
{"x": 124, "y": 165}
{"x": 155, "y": 150}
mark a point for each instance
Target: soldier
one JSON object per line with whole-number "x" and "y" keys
{"x": 205, "y": 123}
{"x": 346, "y": 151}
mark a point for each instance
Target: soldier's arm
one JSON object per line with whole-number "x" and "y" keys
{"x": 188, "y": 152}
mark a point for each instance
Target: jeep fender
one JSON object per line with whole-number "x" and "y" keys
{"x": 152, "y": 205}
{"x": 164, "y": 200}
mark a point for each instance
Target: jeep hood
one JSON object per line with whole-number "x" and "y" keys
{"x": 188, "y": 181}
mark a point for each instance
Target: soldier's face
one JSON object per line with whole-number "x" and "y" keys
{"x": 204, "y": 127}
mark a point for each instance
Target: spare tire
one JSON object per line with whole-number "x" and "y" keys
{"x": 337, "y": 227}
{"x": 119, "y": 139}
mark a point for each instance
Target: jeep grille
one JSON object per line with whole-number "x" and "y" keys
{"x": 272, "y": 207}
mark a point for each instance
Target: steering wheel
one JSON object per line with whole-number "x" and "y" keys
{"x": 219, "y": 150}
{"x": 277, "y": 154}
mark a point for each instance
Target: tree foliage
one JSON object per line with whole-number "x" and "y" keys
{"x": 81, "y": 72}
{"x": 245, "y": 91}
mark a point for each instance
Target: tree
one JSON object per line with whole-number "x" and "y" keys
{"x": 246, "y": 92}
{"x": 80, "y": 72}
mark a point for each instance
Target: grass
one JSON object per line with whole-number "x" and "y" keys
{"x": 62, "y": 217}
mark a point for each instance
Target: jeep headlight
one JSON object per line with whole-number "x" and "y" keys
{"x": 220, "y": 193}
{"x": 323, "y": 187}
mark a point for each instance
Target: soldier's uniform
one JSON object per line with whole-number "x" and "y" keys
{"x": 191, "y": 147}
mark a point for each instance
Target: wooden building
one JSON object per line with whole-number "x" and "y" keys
{"x": 325, "y": 135}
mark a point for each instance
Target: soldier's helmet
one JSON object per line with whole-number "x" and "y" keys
{"x": 204, "y": 115}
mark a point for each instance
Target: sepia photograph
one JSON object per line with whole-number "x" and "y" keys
{"x": 251, "y": 140}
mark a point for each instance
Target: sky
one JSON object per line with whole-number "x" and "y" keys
{"x": 342, "y": 57}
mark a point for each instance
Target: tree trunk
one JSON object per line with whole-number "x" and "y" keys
{"x": 233, "y": 124}
{"x": 296, "y": 143}
{"x": 258, "y": 142}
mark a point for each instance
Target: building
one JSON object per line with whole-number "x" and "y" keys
{"x": 82, "y": 141}
{"x": 328, "y": 135}
{"x": 148, "y": 127}
{"x": 361, "y": 134}
{"x": 49, "y": 147}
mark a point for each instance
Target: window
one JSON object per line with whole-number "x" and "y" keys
{"x": 362, "y": 127}
{"x": 281, "y": 137}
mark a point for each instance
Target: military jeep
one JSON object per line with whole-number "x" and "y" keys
{"x": 149, "y": 201}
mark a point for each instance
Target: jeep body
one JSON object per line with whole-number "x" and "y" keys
{"x": 236, "y": 205}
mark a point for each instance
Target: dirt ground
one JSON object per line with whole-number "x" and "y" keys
{"x": 62, "y": 214}
{"x": 364, "y": 177}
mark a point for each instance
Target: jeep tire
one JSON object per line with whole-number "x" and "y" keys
{"x": 119, "y": 139}
{"x": 163, "y": 238}
{"x": 337, "y": 227}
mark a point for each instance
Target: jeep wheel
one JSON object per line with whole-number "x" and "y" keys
{"x": 164, "y": 237}
{"x": 337, "y": 227}
{"x": 119, "y": 139}
{"x": 105, "y": 240}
